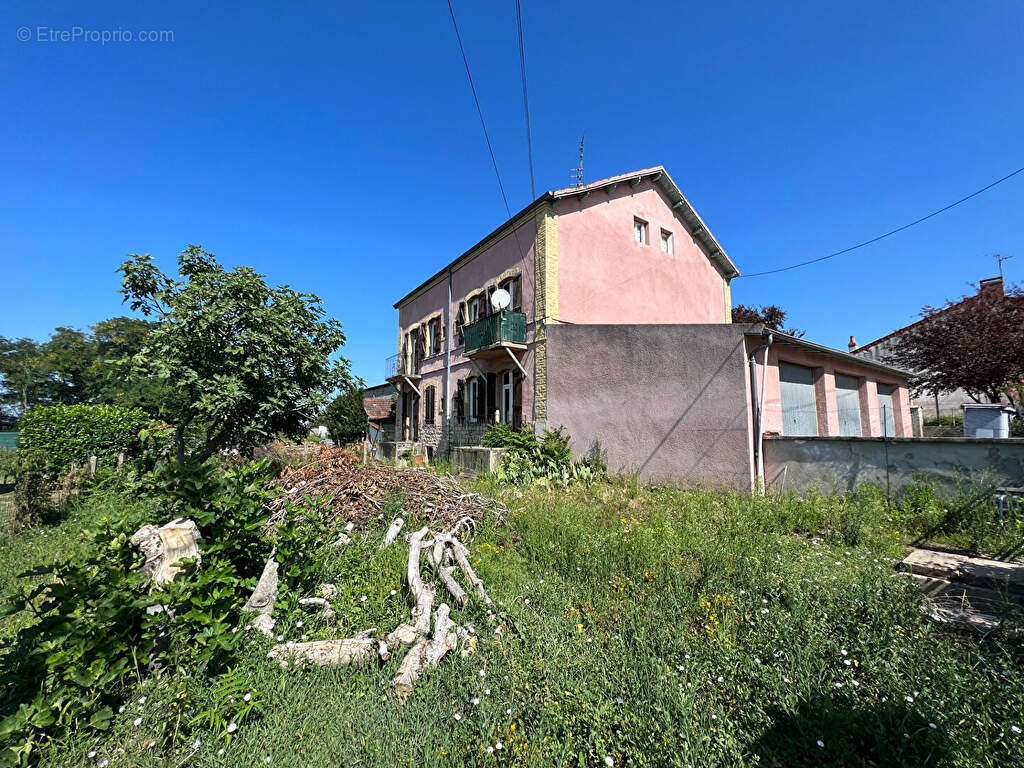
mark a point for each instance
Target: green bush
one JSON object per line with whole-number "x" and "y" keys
{"x": 58, "y": 436}
{"x": 547, "y": 459}
{"x": 100, "y": 627}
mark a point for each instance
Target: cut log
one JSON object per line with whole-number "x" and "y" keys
{"x": 462, "y": 558}
{"x": 352, "y": 651}
{"x": 263, "y": 598}
{"x": 341, "y": 541}
{"x": 454, "y": 588}
{"x": 421, "y": 613}
{"x": 409, "y": 672}
{"x": 165, "y": 547}
{"x": 412, "y": 574}
{"x": 425, "y": 654}
{"x": 403, "y": 634}
{"x": 392, "y": 534}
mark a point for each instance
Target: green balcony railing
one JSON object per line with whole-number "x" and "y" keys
{"x": 490, "y": 330}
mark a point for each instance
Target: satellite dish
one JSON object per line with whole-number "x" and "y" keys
{"x": 500, "y": 299}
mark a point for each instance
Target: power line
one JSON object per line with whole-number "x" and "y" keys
{"x": 890, "y": 232}
{"x": 487, "y": 138}
{"x": 526, "y": 101}
{"x": 479, "y": 111}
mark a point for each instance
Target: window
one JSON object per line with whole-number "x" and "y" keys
{"x": 434, "y": 333}
{"x": 799, "y": 404}
{"x": 848, "y": 405}
{"x": 513, "y": 286}
{"x": 460, "y": 321}
{"x": 667, "y": 243}
{"x": 507, "y": 398}
{"x": 474, "y": 309}
{"x": 429, "y": 404}
{"x": 640, "y": 231}
{"x": 474, "y": 390}
{"x": 885, "y": 410}
{"x": 460, "y": 402}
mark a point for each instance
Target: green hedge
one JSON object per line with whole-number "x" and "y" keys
{"x": 57, "y": 436}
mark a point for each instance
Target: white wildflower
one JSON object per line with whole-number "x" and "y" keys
{"x": 932, "y": 725}
{"x": 457, "y": 717}
{"x": 232, "y": 727}
{"x": 498, "y": 745}
{"x": 482, "y": 673}
{"x": 137, "y": 722}
{"x": 247, "y": 697}
{"x": 821, "y": 743}
{"x": 608, "y": 760}
{"x": 1015, "y": 728}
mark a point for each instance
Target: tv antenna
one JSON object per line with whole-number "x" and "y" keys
{"x": 999, "y": 260}
{"x": 576, "y": 174}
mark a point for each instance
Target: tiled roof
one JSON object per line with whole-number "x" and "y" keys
{"x": 377, "y": 408}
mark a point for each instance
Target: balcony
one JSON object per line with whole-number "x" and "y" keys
{"x": 398, "y": 367}
{"x": 491, "y": 335}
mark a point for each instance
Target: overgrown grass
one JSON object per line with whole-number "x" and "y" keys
{"x": 648, "y": 626}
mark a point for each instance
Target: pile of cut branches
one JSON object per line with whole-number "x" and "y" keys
{"x": 354, "y": 493}
{"x": 446, "y": 555}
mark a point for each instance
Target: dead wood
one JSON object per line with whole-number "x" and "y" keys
{"x": 167, "y": 546}
{"x": 263, "y": 597}
{"x": 352, "y": 651}
{"x": 393, "y": 531}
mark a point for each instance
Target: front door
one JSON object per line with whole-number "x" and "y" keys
{"x": 415, "y": 416}
{"x": 507, "y": 398}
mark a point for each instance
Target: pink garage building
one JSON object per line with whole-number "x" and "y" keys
{"x": 618, "y": 327}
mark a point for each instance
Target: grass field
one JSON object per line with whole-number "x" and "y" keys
{"x": 639, "y": 626}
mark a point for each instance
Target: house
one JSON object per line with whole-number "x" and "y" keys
{"x": 937, "y": 403}
{"x": 618, "y": 327}
{"x": 379, "y": 405}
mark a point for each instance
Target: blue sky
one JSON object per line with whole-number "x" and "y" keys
{"x": 335, "y": 147}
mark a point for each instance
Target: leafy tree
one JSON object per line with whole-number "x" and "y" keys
{"x": 66, "y": 358}
{"x": 239, "y": 362}
{"x": 345, "y": 417}
{"x": 24, "y": 377}
{"x": 116, "y": 341}
{"x": 772, "y": 316}
{"x": 975, "y": 343}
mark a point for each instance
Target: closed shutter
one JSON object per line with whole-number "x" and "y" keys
{"x": 481, "y": 400}
{"x": 799, "y": 406}
{"x": 848, "y": 404}
{"x": 517, "y": 401}
{"x": 460, "y": 320}
{"x": 517, "y": 294}
{"x": 460, "y": 408}
{"x": 886, "y": 417}
{"x": 492, "y": 397}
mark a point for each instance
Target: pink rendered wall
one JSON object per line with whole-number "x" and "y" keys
{"x": 479, "y": 272}
{"x": 825, "y": 369}
{"x": 605, "y": 277}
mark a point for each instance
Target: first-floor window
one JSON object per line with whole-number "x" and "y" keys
{"x": 429, "y": 404}
{"x": 474, "y": 399}
{"x": 507, "y": 409}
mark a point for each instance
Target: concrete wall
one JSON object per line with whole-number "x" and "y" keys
{"x": 476, "y": 460}
{"x": 841, "y": 463}
{"x": 668, "y": 401}
{"x": 606, "y": 277}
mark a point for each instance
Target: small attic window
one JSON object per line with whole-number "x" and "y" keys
{"x": 667, "y": 242}
{"x": 640, "y": 232}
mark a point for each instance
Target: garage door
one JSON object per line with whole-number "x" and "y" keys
{"x": 885, "y": 415}
{"x": 848, "y": 403}
{"x": 799, "y": 406}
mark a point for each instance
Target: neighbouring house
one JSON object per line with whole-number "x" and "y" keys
{"x": 935, "y": 403}
{"x": 379, "y": 404}
{"x": 618, "y": 327}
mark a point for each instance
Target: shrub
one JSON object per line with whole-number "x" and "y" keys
{"x": 58, "y": 436}
{"x": 549, "y": 458}
{"x": 100, "y": 626}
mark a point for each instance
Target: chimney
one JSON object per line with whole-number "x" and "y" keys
{"x": 852, "y": 345}
{"x": 992, "y": 287}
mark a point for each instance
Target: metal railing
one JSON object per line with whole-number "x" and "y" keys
{"x": 501, "y": 326}
{"x": 398, "y": 365}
